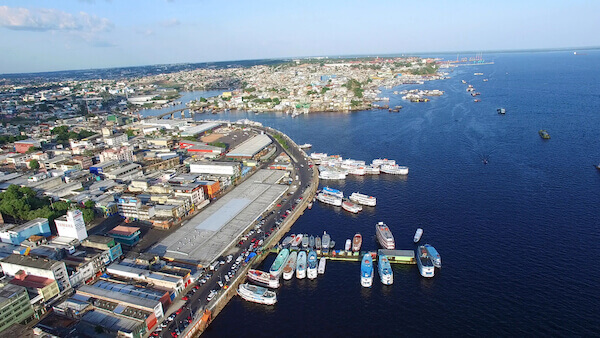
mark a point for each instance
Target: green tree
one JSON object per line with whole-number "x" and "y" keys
{"x": 130, "y": 133}
{"x": 34, "y": 164}
{"x": 89, "y": 204}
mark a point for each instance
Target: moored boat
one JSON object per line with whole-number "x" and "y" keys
{"x": 311, "y": 242}
{"x": 325, "y": 241}
{"x": 351, "y": 207}
{"x": 418, "y": 235}
{"x": 358, "y": 171}
{"x": 435, "y": 257}
{"x": 301, "y": 265}
{"x": 348, "y": 245}
{"x": 305, "y": 240}
{"x": 263, "y": 278}
{"x": 356, "y": 242}
{"x": 305, "y": 146}
{"x": 333, "y": 192}
{"x": 332, "y": 175}
{"x": 366, "y": 271}
{"x": 384, "y": 236}
{"x": 381, "y": 161}
{"x": 277, "y": 265}
{"x": 290, "y": 266}
{"x": 257, "y": 294}
{"x": 363, "y": 199}
{"x": 318, "y": 243}
{"x": 372, "y": 170}
{"x": 322, "y": 263}
{"x": 385, "y": 270}
{"x": 311, "y": 270}
{"x": 287, "y": 241}
{"x": 394, "y": 169}
{"x": 426, "y": 267}
{"x": 328, "y": 199}
{"x": 297, "y": 241}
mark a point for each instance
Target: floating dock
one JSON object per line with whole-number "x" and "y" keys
{"x": 394, "y": 256}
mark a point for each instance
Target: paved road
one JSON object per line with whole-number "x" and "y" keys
{"x": 197, "y": 301}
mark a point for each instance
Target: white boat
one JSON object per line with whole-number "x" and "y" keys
{"x": 328, "y": 199}
{"x": 318, "y": 156}
{"x": 311, "y": 242}
{"x": 263, "y": 278}
{"x": 305, "y": 241}
{"x": 290, "y": 266}
{"x": 418, "y": 235}
{"x": 332, "y": 175}
{"x": 348, "y": 245}
{"x": 371, "y": 170}
{"x": 301, "y": 265}
{"x": 385, "y": 270}
{"x": 305, "y": 146}
{"x": 363, "y": 199}
{"x": 333, "y": 192}
{"x": 325, "y": 241}
{"x": 435, "y": 257}
{"x": 257, "y": 294}
{"x": 358, "y": 171}
{"x": 356, "y": 242}
{"x": 426, "y": 267}
{"x": 296, "y": 241}
{"x": 381, "y": 161}
{"x": 366, "y": 271}
{"x": 287, "y": 240}
{"x": 311, "y": 270}
{"x": 317, "y": 243}
{"x": 394, "y": 169}
{"x": 384, "y": 236}
{"x": 279, "y": 262}
{"x": 322, "y": 263}
{"x": 351, "y": 207}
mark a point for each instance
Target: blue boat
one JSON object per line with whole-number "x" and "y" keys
{"x": 385, "y": 270}
{"x": 333, "y": 192}
{"x": 311, "y": 272}
{"x": 366, "y": 271}
{"x": 434, "y": 256}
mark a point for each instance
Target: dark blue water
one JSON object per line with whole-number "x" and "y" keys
{"x": 518, "y": 237}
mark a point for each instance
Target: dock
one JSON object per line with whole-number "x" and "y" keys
{"x": 394, "y": 256}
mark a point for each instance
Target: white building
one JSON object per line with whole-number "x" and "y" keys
{"x": 115, "y": 140}
{"x": 71, "y": 225}
{"x": 216, "y": 168}
{"x": 38, "y": 267}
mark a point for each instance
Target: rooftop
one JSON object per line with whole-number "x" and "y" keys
{"x": 9, "y": 291}
{"x": 251, "y": 147}
{"x": 39, "y": 263}
{"x": 122, "y": 230}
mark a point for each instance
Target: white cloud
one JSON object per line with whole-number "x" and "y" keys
{"x": 170, "y": 23}
{"x": 44, "y": 19}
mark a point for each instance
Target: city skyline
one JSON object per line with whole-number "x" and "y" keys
{"x": 103, "y": 34}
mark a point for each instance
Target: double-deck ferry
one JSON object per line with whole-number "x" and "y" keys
{"x": 363, "y": 199}
{"x": 394, "y": 169}
{"x": 328, "y": 199}
{"x": 366, "y": 271}
{"x": 332, "y": 175}
{"x": 263, "y": 278}
{"x": 385, "y": 270}
{"x": 426, "y": 267}
{"x": 257, "y": 294}
{"x": 333, "y": 192}
{"x": 384, "y": 236}
{"x": 435, "y": 257}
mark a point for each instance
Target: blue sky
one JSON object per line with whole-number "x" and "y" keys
{"x": 70, "y": 34}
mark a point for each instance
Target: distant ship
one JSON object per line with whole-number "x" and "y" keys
{"x": 363, "y": 199}
{"x": 322, "y": 263}
{"x": 305, "y": 146}
{"x": 301, "y": 265}
{"x": 382, "y": 161}
{"x": 290, "y": 266}
{"x": 384, "y": 236}
{"x": 263, "y": 278}
{"x": 418, "y": 235}
{"x": 351, "y": 207}
{"x": 501, "y": 111}
{"x": 434, "y": 256}
{"x": 311, "y": 271}
{"x": 424, "y": 262}
{"x": 385, "y": 270}
{"x": 257, "y": 294}
{"x": 366, "y": 271}
{"x": 277, "y": 265}
{"x": 544, "y": 134}
{"x": 394, "y": 169}
{"x": 333, "y": 192}
{"x": 356, "y": 242}
{"x": 328, "y": 199}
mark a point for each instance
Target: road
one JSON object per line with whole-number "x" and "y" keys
{"x": 198, "y": 300}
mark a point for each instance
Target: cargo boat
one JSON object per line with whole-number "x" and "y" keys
{"x": 311, "y": 271}
{"x": 290, "y": 266}
{"x": 426, "y": 267}
{"x": 418, "y": 235}
{"x": 363, "y": 199}
{"x": 351, "y": 207}
{"x": 277, "y": 265}
{"x": 385, "y": 270}
{"x": 384, "y": 236}
{"x": 356, "y": 242}
{"x": 435, "y": 257}
{"x": 301, "y": 265}
{"x": 257, "y": 294}
{"x": 366, "y": 271}
{"x": 263, "y": 278}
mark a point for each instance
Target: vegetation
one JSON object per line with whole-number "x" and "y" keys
{"x": 63, "y": 135}
{"x": 324, "y": 90}
{"x": 427, "y": 70}
{"x": 34, "y": 164}
{"x": 281, "y": 140}
{"x": 218, "y": 144}
{"x": 21, "y": 203}
{"x": 130, "y": 133}
{"x": 355, "y": 87}
{"x": 355, "y": 103}
{"x": 4, "y": 139}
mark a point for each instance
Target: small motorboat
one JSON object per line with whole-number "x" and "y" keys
{"x": 418, "y": 235}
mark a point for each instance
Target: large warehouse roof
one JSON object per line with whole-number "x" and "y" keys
{"x": 250, "y": 147}
{"x": 194, "y": 130}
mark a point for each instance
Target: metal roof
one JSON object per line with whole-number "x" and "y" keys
{"x": 251, "y": 147}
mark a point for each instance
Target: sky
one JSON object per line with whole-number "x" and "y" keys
{"x": 37, "y": 36}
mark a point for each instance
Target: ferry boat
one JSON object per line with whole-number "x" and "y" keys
{"x": 363, "y": 199}
{"x": 544, "y": 134}
{"x": 311, "y": 271}
{"x": 434, "y": 256}
{"x": 318, "y": 243}
{"x": 348, "y": 245}
{"x": 328, "y": 199}
{"x": 305, "y": 241}
{"x": 501, "y": 111}
{"x": 385, "y": 270}
{"x": 424, "y": 262}
{"x": 356, "y": 242}
{"x": 333, "y": 192}
{"x": 381, "y": 161}
{"x": 257, "y": 294}
{"x": 366, "y": 271}
{"x": 358, "y": 171}
{"x": 325, "y": 241}
{"x": 263, "y": 278}
{"x": 311, "y": 241}
{"x": 384, "y": 236}
{"x": 418, "y": 235}
{"x": 297, "y": 241}
{"x": 332, "y": 175}
{"x": 322, "y": 263}
{"x": 371, "y": 170}
{"x": 305, "y": 146}
{"x": 277, "y": 265}
{"x": 351, "y": 207}
{"x": 301, "y": 265}
{"x": 318, "y": 156}
{"x": 290, "y": 266}
{"x": 394, "y": 169}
